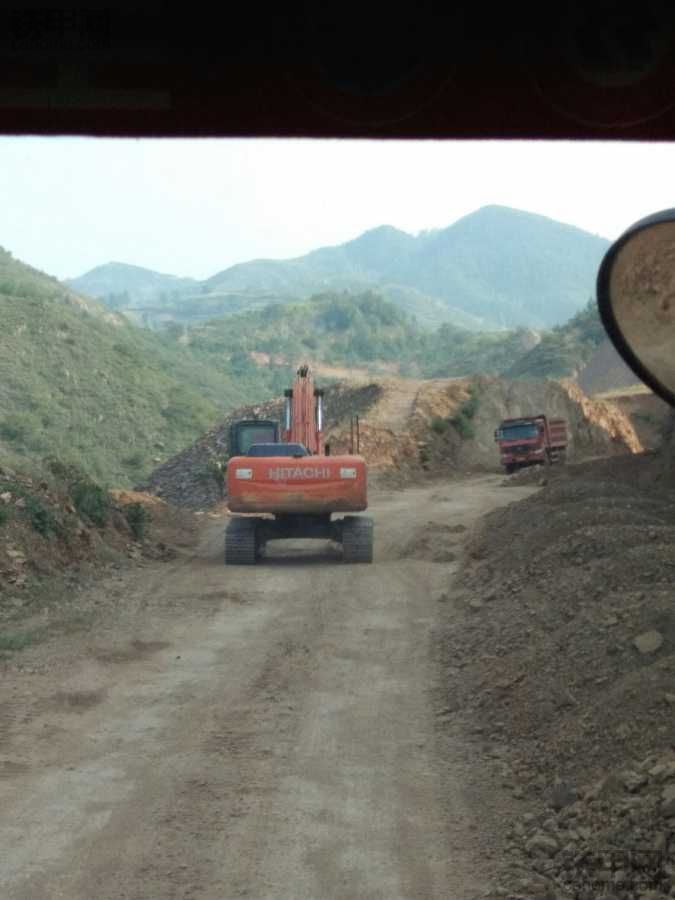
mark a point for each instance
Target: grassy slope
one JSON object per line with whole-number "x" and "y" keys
{"x": 106, "y": 396}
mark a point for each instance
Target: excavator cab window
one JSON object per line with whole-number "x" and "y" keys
{"x": 245, "y": 433}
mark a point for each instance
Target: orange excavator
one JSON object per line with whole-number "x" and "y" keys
{"x": 295, "y": 485}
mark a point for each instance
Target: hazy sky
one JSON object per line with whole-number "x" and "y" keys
{"x": 194, "y": 207}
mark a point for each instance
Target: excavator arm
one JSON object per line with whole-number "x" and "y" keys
{"x": 304, "y": 413}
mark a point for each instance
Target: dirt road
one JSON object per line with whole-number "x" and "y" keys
{"x": 265, "y": 733}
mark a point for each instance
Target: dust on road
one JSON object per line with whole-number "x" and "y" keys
{"x": 266, "y": 732}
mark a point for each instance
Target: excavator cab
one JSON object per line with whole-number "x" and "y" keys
{"x": 247, "y": 432}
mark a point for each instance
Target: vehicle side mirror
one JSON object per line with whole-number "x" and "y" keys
{"x": 636, "y": 300}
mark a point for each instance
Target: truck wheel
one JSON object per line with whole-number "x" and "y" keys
{"x": 357, "y": 539}
{"x": 240, "y": 542}
{"x": 510, "y": 469}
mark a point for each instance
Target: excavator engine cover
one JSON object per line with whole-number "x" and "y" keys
{"x": 313, "y": 485}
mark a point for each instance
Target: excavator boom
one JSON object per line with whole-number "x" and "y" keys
{"x": 304, "y": 413}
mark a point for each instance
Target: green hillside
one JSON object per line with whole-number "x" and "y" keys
{"x": 362, "y": 331}
{"x": 83, "y": 385}
{"x": 369, "y": 331}
{"x": 330, "y": 328}
{"x": 564, "y": 350}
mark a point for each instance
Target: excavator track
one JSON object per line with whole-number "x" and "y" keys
{"x": 240, "y": 542}
{"x": 357, "y": 539}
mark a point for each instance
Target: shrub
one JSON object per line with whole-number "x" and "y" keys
{"x": 134, "y": 460}
{"x": 41, "y": 517}
{"x": 462, "y": 418}
{"x": 470, "y": 406}
{"x": 464, "y": 426}
{"x": 439, "y": 425}
{"x": 64, "y": 472}
{"x": 19, "y": 427}
{"x": 5, "y": 515}
{"x": 138, "y": 518}
{"x": 91, "y": 501}
{"x": 16, "y": 640}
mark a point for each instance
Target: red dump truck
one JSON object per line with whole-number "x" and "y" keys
{"x": 531, "y": 440}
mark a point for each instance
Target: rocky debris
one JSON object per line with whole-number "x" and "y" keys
{"x": 559, "y": 653}
{"x": 534, "y": 475}
{"x": 562, "y": 795}
{"x": 621, "y": 840}
{"x": 433, "y": 542}
{"x": 648, "y": 642}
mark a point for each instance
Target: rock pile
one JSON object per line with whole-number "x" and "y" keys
{"x": 559, "y": 662}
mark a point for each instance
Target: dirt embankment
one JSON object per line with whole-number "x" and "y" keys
{"x": 559, "y": 653}
{"x": 56, "y": 536}
{"x": 648, "y": 414}
{"x": 595, "y": 428}
{"x": 413, "y": 427}
{"x": 410, "y": 428}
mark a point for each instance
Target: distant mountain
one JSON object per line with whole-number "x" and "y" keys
{"x": 508, "y": 267}
{"x": 495, "y": 268}
{"x": 368, "y": 259}
{"x": 140, "y": 293}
